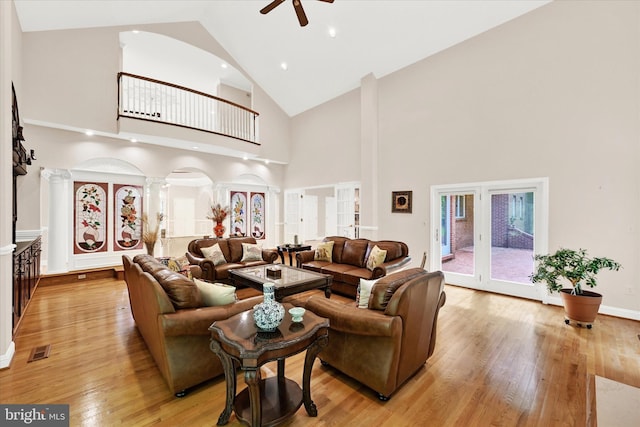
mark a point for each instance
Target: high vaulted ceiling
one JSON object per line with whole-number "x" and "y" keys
{"x": 374, "y": 36}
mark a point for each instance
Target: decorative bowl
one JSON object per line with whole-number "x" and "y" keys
{"x": 296, "y": 313}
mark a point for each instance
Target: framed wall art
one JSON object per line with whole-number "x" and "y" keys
{"x": 238, "y": 213}
{"x": 127, "y": 217}
{"x": 401, "y": 201}
{"x": 256, "y": 215}
{"x": 90, "y": 217}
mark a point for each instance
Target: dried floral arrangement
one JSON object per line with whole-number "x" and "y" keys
{"x": 218, "y": 212}
{"x": 149, "y": 236}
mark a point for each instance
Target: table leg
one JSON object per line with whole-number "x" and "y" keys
{"x": 291, "y": 259}
{"x": 252, "y": 378}
{"x": 230, "y": 378}
{"x": 281, "y": 253}
{"x": 309, "y": 358}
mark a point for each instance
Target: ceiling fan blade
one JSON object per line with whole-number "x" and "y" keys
{"x": 302, "y": 17}
{"x": 268, "y": 8}
{"x": 327, "y": 1}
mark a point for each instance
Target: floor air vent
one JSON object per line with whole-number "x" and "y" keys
{"x": 40, "y": 352}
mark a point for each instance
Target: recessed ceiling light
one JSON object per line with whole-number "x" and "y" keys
{"x": 245, "y": 157}
{"x": 266, "y": 161}
{"x": 195, "y": 147}
{"x": 88, "y": 132}
{"x": 134, "y": 140}
{"x": 136, "y": 31}
{"x": 284, "y": 66}
{"x": 332, "y": 32}
{"x": 224, "y": 65}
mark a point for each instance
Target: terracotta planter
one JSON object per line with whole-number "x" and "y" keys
{"x": 581, "y": 308}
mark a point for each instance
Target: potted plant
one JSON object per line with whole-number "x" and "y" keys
{"x": 578, "y": 269}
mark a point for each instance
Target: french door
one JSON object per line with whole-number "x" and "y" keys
{"x": 485, "y": 234}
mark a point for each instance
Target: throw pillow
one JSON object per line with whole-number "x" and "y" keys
{"x": 376, "y": 258}
{"x": 214, "y": 294}
{"x": 251, "y": 252}
{"x": 364, "y": 292}
{"x": 214, "y": 253}
{"x": 324, "y": 252}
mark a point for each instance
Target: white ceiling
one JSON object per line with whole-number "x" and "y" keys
{"x": 374, "y": 36}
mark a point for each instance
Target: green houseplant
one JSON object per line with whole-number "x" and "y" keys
{"x": 577, "y": 268}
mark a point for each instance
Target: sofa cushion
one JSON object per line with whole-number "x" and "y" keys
{"x": 394, "y": 249}
{"x": 214, "y": 294}
{"x": 385, "y": 287}
{"x": 214, "y": 253}
{"x": 364, "y": 293}
{"x": 235, "y": 247}
{"x": 338, "y": 246}
{"x": 324, "y": 252}
{"x": 376, "y": 257}
{"x": 182, "y": 292}
{"x": 251, "y": 252}
{"x": 354, "y": 252}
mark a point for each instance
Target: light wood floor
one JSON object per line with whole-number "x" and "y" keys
{"x": 499, "y": 361}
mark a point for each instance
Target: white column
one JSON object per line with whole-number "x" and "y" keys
{"x": 60, "y": 235}
{"x": 155, "y": 200}
{"x": 369, "y": 157}
{"x": 7, "y": 346}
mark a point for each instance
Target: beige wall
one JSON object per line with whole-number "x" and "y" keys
{"x": 325, "y": 143}
{"x": 553, "y": 94}
{"x": 71, "y": 77}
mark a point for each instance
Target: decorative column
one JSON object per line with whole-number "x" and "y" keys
{"x": 155, "y": 201}
{"x": 58, "y": 233}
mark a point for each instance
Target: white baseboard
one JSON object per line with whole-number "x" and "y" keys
{"x": 7, "y": 357}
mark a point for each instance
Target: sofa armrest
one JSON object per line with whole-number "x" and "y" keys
{"x": 359, "y": 321}
{"x": 196, "y": 321}
{"x": 269, "y": 255}
{"x": 192, "y": 258}
{"x": 305, "y": 256}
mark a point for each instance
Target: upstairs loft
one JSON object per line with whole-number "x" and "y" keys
{"x": 144, "y": 102}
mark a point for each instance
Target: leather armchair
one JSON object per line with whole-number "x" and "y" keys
{"x": 386, "y": 344}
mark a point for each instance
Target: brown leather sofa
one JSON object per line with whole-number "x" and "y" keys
{"x": 166, "y": 307}
{"x": 232, "y": 249}
{"x": 384, "y": 345}
{"x": 349, "y": 258}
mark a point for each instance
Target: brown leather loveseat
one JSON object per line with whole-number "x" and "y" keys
{"x": 167, "y": 309}
{"x": 349, "y": 262}
{"x": 385, "y": 344}
{"x": 232, "y": 250}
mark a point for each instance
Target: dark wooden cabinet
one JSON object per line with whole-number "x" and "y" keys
{"x": 26, "y": 274}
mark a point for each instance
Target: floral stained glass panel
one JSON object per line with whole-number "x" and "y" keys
{"x": 90, "y": 217}
{"x": 128, "y": 214}
{"x": 256, "y": 216}
{"x": 238, "y": 213}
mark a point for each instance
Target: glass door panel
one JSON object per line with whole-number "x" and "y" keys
{"x": 457, "y": 233}
{"x": 512, "y": 236}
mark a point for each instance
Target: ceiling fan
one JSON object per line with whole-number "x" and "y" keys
{"x": 297, "y": 5}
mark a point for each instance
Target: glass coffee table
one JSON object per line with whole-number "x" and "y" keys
{"x": 267, "y": 401}
{"x": 292, "y": 280}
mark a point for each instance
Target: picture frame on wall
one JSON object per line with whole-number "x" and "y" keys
{"x": 401, "y": 201}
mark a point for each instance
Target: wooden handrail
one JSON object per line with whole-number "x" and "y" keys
{"x": 236, "y": 121}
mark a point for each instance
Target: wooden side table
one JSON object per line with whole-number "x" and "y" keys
{"x": 269, "y": 401}
{"x": 291, "y": 249}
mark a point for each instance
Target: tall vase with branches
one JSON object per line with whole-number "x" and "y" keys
{"x": 149, "y": 235}
{"x": 218, "y": 214}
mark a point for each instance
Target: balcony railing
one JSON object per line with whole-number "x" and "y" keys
{"x": 145, "y": 98}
